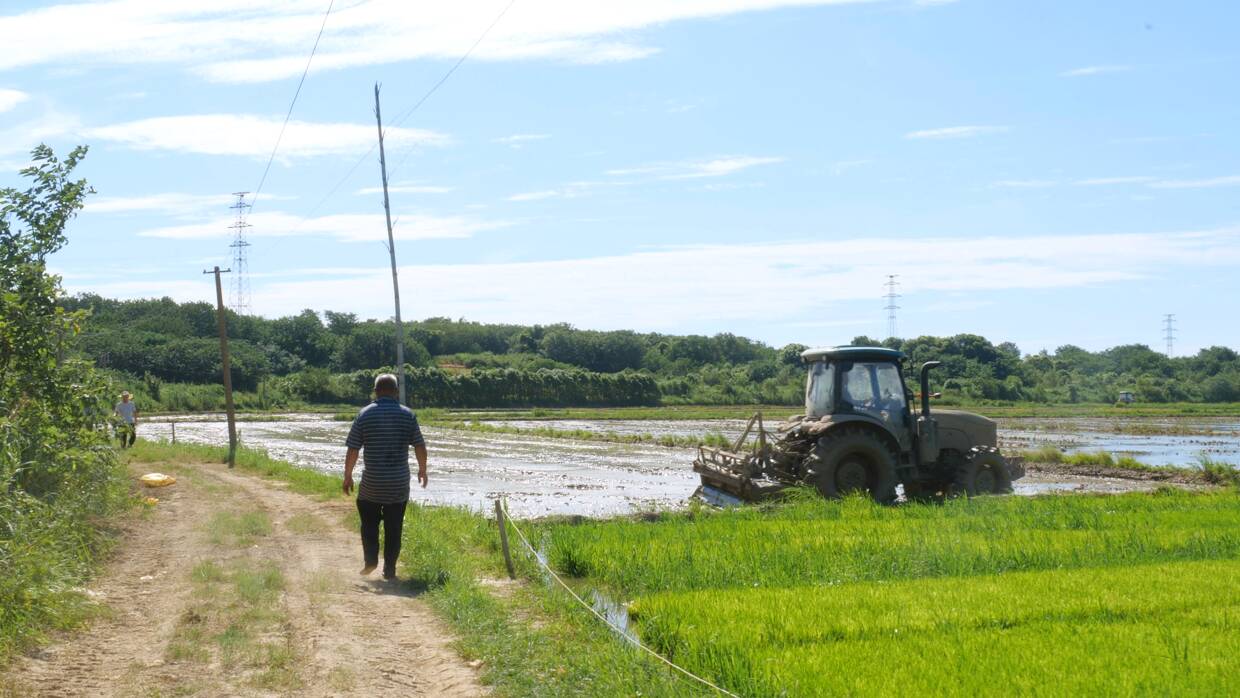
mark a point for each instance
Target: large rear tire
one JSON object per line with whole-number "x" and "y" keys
{"x": 854, "y": 460}
{"x": 983, "y": 472}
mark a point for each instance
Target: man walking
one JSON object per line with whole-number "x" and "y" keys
{"x": 383, "y": 431}
{"x": 128, "y": 414}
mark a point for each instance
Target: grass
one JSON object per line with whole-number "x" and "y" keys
{"x": 50, "y": 546}
{"x": 251, "y": 460}
{"x": 237, "y": 620}
{"x": 238, "y": 530}
{"x": 1016, "y": 631}
{"x": 1063, "y": 594}
{"x": 1217, "y": 472}
{"x": 1101, "y": 459}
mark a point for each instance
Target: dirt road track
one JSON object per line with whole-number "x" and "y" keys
{"x": 350, "y": 635}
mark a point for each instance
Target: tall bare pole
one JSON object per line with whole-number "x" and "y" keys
{"x": 222, "y": 322}
{"x": 387, "y": 211}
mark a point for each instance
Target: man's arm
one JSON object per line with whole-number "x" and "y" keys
{"x": 350, "y": 460}
{"x": 420, "y": 451}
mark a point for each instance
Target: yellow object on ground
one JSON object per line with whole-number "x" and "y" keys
{"x": 151, "y": 501}
{"x": 157, "y": 480}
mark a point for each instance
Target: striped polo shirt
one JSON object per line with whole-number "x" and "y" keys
{"x": 384, "y": 430}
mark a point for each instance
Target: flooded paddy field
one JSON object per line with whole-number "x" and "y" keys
{"x": 542, "y": 476}
{"x": 1175, "y": 441}
{"x": 538, "y": 476}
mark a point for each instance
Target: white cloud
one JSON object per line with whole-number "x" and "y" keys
{"x": 774, "y": 282}
{"x": 405, "y": 188}
{"x": 366, "y": 227}
{"x": 571, "y": 190}
{"x": 1211, "y": 183}
{"x": 1024, "y": 183}
{"x": 954, "y": 132}
{"x": 692, "y": 169}
{"x": 20, "y": 138}
{"x": 242, "y": 41}
{"x": 518, "y": 140}
{"x": 11, "y": 98}
{"x": 249, "y": 135}
{"x": 1108, "y": 181}
{"x": 170, "y": 203}
{"x": 536, "y": 195}
{"x": 1095, "y": 70}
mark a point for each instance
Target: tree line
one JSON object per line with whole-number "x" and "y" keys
{"x": 313, "y": 357}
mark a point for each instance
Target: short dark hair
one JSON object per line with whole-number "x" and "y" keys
{"x": 386, "y": 383}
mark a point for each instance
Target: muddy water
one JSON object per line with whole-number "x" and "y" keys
{"x": 539, "y": 476}
{"x": 1153, "y": 441}
{"x": 562, "y": 476}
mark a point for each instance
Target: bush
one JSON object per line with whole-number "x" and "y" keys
{"x": 58, "y": 475}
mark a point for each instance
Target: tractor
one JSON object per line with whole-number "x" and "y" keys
{"x": 861, "y": 433}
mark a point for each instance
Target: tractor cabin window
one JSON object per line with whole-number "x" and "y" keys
{"x": 873, "y": 388}
{"x": 819, "y": 387}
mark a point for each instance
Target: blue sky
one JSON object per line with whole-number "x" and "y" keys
{"x": 1045, "y": 173}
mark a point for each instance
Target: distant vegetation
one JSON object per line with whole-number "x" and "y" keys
{"x": 168, "y": 353}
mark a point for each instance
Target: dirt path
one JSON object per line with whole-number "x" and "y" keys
{"x": 233, "y": 586}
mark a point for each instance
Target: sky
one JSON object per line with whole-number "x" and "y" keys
{"x": 1045, "y": 173}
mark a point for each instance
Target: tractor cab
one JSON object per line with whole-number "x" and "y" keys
{"x": 855, "y": 380}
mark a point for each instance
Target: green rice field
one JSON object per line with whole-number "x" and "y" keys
{"x": 1055, "y": 595}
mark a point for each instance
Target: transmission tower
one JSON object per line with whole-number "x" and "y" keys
{"x": 240, "y": 266}
{"x": 891, "y": 306}
{"x": 1169, "y": 331}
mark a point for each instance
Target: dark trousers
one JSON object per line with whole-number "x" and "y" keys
{"x": 393, "y": 518}
{"x": 127, "y": 433}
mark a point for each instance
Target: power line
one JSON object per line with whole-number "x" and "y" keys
{"x": 891, "y": 306}
{"x": 400, "y": 120}
{"x": 1169, "y": 332}
{"x": 296, "y": 94}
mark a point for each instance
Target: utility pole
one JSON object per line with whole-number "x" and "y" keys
{"x": 387, "y": 211}
{"x": 891, "y": 306}
{"x": 1169, "y": 332}
{"x": 221, "y": 320}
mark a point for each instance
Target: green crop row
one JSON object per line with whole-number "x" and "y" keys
{"x": 1155, "y": 629}
{"x": 809, "y": 541}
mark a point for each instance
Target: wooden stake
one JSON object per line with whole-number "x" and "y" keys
{"x": 221, "y": 321}
{"x": 174, "y": 433}
{"x": 503, "y": 539}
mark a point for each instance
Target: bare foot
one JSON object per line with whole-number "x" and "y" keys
{"x": 368, "y": 569}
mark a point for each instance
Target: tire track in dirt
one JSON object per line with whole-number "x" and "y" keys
{"x": 352, "y": 636}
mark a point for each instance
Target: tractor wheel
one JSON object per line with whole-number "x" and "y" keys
{"x": 983, "y": 472}
{"x": 854, "y": 460}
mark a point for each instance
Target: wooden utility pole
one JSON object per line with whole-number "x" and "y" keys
{"x": 221, "y": 320}
{"x": 387, "y": 211}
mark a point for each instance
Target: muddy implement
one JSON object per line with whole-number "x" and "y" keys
{"x": 861, "y": 432}
{"x": 739, "y": 472}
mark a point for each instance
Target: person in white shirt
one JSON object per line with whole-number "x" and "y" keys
{"x": 128, "y": 413}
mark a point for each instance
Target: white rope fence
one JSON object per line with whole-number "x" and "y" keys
{"x": 620, "y": 631}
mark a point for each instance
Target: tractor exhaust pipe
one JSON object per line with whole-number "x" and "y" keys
{"x": 925, "y": 386}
